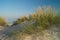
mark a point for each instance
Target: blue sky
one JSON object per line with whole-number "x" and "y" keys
{"x": 12, "y": 9}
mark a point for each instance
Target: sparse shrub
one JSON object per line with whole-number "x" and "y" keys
{"x": 44, "y": 18}
{"x": 2, "y": 22}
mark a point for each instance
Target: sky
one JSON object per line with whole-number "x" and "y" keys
{"x": 13, "y": 9}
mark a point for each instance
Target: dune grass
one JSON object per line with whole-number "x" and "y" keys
{"x": 43, "y": 19}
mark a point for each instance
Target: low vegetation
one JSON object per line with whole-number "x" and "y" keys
{"x": 2, "y": 22}
{"x": 43, "y": 19}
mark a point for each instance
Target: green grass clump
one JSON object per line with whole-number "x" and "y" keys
{"x": 44, "y": 18}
